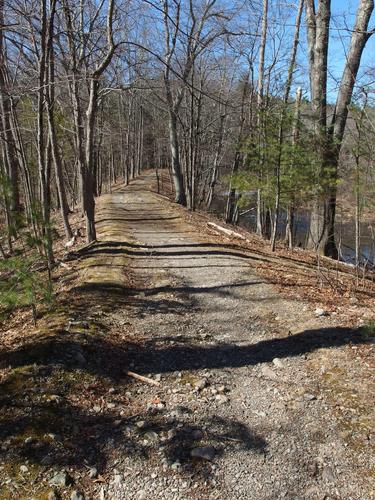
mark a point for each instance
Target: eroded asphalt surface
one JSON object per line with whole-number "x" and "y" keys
{"x": 234, "y": 360}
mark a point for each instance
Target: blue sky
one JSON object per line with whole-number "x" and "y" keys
{"x": 343, "y": 14}
{"x": 343, "y": 17}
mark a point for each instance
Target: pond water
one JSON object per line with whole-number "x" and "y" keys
{"x": 345, "y": 231}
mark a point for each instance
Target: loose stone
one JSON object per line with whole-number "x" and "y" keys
{"x": 319, "y": 312}
{"x": 172, "y": 433}
{"x": 93, "y": 473}
{"x": 61, "y": 479}
{"x": 52, "y": 495}
{"x": 278, "y": 363}
{"x": 268, "y": 373}
{"x": 221, "y": 399}
{"x": 141, "y": 424}
{"x": 151, "y": 436}
{"x": 77, "y": 495}
{"x": 201, "y": 384}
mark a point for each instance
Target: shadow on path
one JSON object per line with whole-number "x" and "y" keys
{"x": 154, "y": 359}
{"x": 52, "y": 374}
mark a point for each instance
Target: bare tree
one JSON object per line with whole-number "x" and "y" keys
{"x": 196, "y": 37}
{"x": 260, "y": 95}
{"x": 8, "y": 145}
{"x": 85, "y": 118}
{"x": 288, "y": 86}
{"x": 329, "y": 136}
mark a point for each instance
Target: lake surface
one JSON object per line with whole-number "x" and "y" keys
{"x": 345, "y": 231}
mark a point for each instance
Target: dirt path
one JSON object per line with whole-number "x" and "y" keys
{"x": 234, "y": 362}
{"x": 280, "y": 401}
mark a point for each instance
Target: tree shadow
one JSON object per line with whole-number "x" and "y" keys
{"x": 171, "y": 250}
{"x": 113, "y": 295}
{"x": 58, "y": 385}
{"x": 182, "y": 356}
{"x": 225, "y": 290}
{"x": 55, "y": 412}
{"x": 61, "y": 434}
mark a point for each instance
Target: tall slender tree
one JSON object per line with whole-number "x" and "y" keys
{"x": 329, "y": 134}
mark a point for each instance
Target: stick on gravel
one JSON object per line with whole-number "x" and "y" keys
{"x": 142, "y": 378}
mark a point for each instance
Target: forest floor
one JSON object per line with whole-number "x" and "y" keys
{"x": 259, "y": 369}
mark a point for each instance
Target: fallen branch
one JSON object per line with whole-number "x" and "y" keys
{"x": 142, "y": 378}
{"x": 224, "y": 230}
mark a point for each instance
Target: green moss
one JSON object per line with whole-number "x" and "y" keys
{"x": 353, "y": 429}
{"x": 11, "y": 470}
{"x": 188, "y": 378}
{"x": 18, "y": 381}
{"x": 367, "y": 331}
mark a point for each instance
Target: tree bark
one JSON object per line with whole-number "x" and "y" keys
{"x": 177, "y": 176}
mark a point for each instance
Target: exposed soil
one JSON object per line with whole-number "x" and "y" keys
{"x": 283, "y": 399}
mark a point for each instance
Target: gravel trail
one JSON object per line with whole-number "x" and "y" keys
{"x": 235, "y": 362}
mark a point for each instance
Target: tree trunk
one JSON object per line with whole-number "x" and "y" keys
{"x": 140, "y": 141}
{"x": 50, "y": 107}
{"x": 231, "y": 213}
{"x": 289, "y": 230}
{"x": 7, "y": 136}
{"x": 329, "y": 139}
{"x": 25, "y": 170}
{"x": 282, "y": 123}
{"x": 214, "y": 173}
{"x": 5, "y": 193}
{"x": 87, "y": 177}
{"x": 357, "y": 212}
{"x": 260, "y": 229}
{"x": 44, "y": 151}
{"x": 177, "y": 176}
